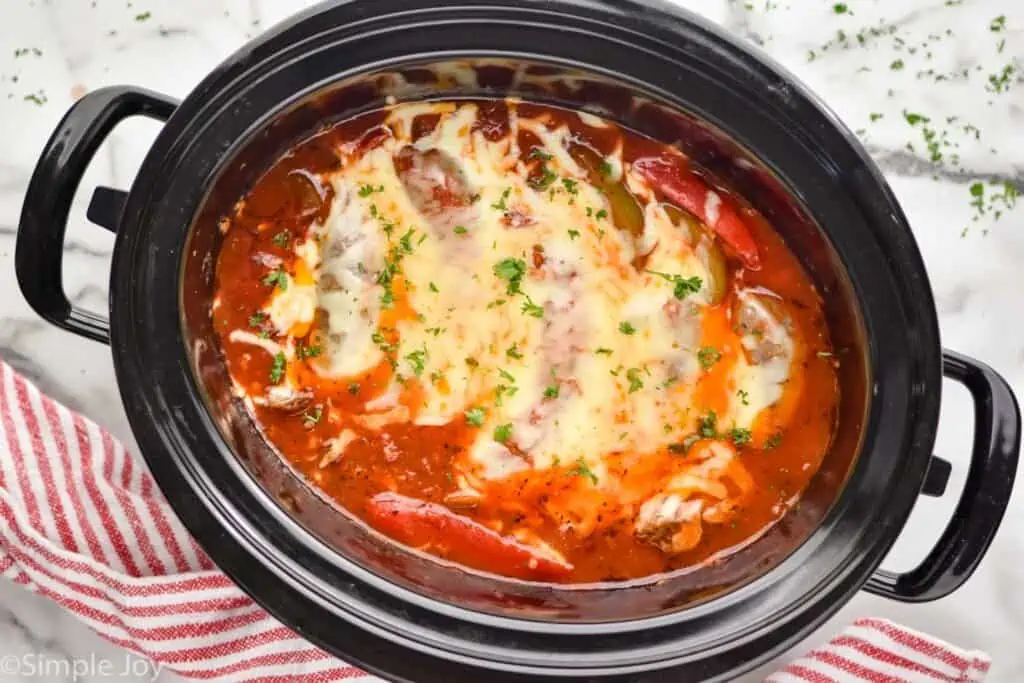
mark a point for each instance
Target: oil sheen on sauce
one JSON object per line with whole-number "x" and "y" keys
{"x": 525, "y": 340}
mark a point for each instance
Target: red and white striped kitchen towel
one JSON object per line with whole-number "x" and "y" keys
{"x": 82, "y": 523}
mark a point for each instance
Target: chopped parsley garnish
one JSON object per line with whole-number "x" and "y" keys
{"x": 897, "y": 65}
{"x": 708, "y": 356}
{"x": 841, "y": 8}
{"x": 380, "y": 340}
{"x": 303, "y": 351}
{"x": 277, "y": 278}
{"x": 512, "y": 271}
{"x": 684, "y": 445}
{"x": 514, "y": 352}
{"x": 405, "y": 241}
{"x": 773, "y": 441}
{"x": 257, "y": 319}
{"x": 601, "y": 215}
{"x": 309, "y": 419}
{"x": 582, "y": 469}
{"x": 433, "y": 288}
{"x": 635, "y": 383}
{"x": 503, "y": 433}
{"x": 532, "y": 309}
{"x": 475, "y": 416}
{"x": 472, "y": 362}
{"x": 277, "y": 369}
{"x": 367, "y": 190}
{"x": 281, "y": 239}
{"x": 606, "y": 170}
{"x": 538, "y": 153}
{"x": 436, "y": 331}
{"x": 739, "y": 436}
{"x": 544, "y": 180}
{"x": 551, "y": 391}
{"x": 573, "y": 234}
{"x": 707, "y": 426}
{"x": 460, "y": 230}
{"x": 417, "y": 360}
{"x": 501, "y": 204}
{"x": 353, "y": 388}
{"x": 570, "y": 186}
{"x": 997, "y": 24}
{"x": 501, "y": 391}
{"x": 626, "y": 327}
{"x": 143, "y": 16}
{"x": 506, "y": 375}
{"x": 682, "y": 286}
{"x": 604, "y": 351}
{"x": 744, "y": 397}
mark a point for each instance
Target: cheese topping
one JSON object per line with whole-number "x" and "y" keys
{"x": 515, "y": 303}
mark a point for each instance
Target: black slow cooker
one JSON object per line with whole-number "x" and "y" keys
{"x": 407, "y": 616}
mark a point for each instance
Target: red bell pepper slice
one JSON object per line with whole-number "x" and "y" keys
{"x": 423, "y": 524}
{"x": 691, "y": 193}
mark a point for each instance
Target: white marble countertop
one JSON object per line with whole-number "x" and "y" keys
{"x": 876, "y": 62}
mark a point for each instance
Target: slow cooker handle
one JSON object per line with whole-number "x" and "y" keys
{"x": 997, "y": 426}
{"x": 39, "y": 252}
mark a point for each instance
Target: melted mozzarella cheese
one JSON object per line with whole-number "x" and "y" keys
{"x": 609, "y": 366}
